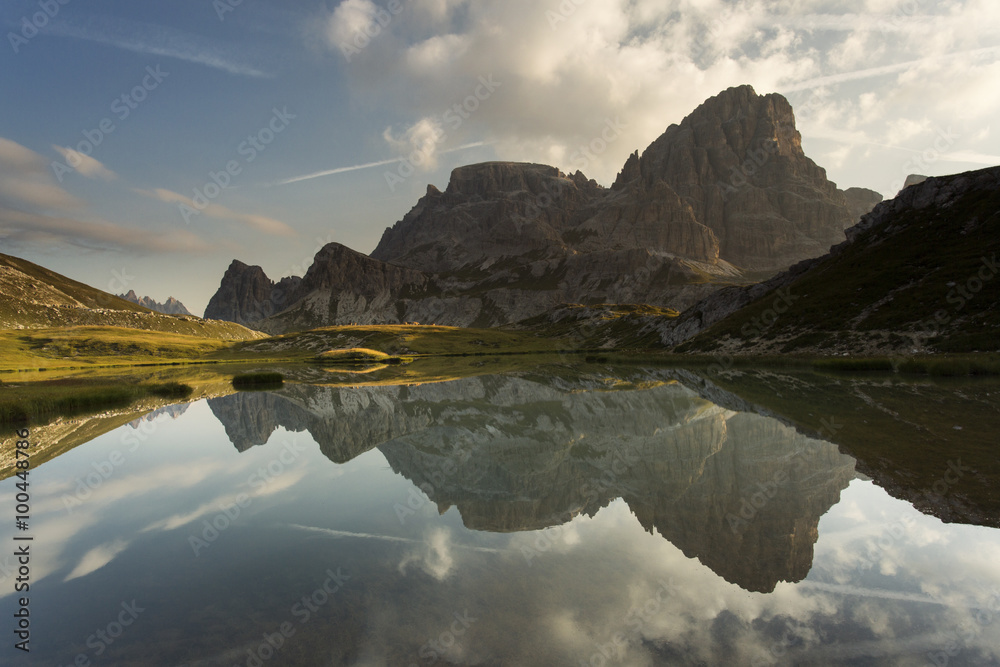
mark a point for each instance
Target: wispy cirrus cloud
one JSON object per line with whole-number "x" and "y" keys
{"x": 26, "y": 182}
{"x": 35, "y": 210}
{"x": 21, "y": 227}
{"x": 156, "y": 40}
{"x": 85, "y": 165}
{"x": 259, "y": 222}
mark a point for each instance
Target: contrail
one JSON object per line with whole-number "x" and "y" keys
{"x": 385, "y": 538}
{"x": 368, "y": 165}
{"x": 885, "y": 69}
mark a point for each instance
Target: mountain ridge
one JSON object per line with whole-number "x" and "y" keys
{"x": 505, "y": 241}
{"x": 169, "y": 307}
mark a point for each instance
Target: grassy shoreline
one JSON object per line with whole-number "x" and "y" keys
{"x": 55, "y": 363}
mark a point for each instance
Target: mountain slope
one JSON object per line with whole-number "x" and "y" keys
{"x": 33, "y": 297}
{"x": 919, "y": 273}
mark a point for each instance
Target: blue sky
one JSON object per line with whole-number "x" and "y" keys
{"x": 303, "y": 110}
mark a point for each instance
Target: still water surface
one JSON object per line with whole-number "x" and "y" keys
{"x": 576, "y": 519}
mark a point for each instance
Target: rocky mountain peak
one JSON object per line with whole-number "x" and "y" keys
{"x": 245, "y": 296}
{"x": 170, "y": 307}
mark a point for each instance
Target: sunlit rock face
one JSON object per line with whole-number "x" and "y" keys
{"x": 737, "y": 161}
{"x": 740, "y": 492}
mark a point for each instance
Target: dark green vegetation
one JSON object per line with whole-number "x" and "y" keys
{"x": 39, "y": 401}
{"x": 926, "y": 279}
{"x": 945, "y": 366}
{"x": 604, "y": 326}
{"x": 258, "y": 380}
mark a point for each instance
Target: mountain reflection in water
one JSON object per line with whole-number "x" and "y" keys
{"x": 559, "y": 517}
{"x": 740, "y": 492}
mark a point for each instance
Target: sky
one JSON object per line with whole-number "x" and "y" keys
{"x": 146, "y": 145}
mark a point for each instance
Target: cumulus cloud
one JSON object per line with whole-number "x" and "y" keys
{"x": 568, "y": 68}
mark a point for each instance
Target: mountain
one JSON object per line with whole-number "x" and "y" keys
{"x": 33, "y": 297}
{"x": 170, "y": 307}
{"x": 917, "y": 274}
{"x": 721, "y": 199}
{"x": 741, "y": 492}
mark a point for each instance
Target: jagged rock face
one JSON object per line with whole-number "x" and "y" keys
{"x": 489, "y": 211}
{"x": 247, "y": 296}
{"x": 741, "y": 492}
{"x": 737, "y": 161}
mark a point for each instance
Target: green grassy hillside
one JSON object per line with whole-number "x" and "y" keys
{"x": 35, "y": 298}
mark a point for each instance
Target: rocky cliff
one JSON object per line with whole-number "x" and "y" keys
{"x": 719, "y": 199}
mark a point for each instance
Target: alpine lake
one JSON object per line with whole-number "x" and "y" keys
{"x": 560, "y": 513}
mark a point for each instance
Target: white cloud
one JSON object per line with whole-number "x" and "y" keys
{"x": 566, "y": 71}
{"x": 97, "y": 558}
